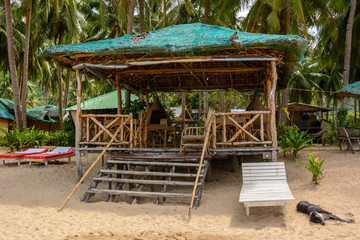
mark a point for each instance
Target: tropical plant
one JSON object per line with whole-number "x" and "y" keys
{"x": 314, "y": 166}
{"x": 292, "y": 139}
{"x": 329, "y": 137}
{"x": 59, "y": 138}
{"x": 341, "y": 117}
{"x": 9, "y": 139}
{"x": 29, "y": 137}
{"x": 136, "y": 107}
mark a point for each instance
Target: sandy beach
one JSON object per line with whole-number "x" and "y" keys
{"x": 30, "y": 196}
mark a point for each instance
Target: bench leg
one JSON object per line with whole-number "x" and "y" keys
{"x": 284, "y": 209}
{"x": 46, "y": 163}
{"x": 247, "y": 209}
{"x": 3, "y": 162}
{"x": 19, "y": 162}
{"x": 30, "y": 164}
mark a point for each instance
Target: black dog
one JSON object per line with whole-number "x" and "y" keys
{"x": 317, "y": 214}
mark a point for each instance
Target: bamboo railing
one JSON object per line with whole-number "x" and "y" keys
{"x": 243, "y": 128}
{"x": 98, "y": 129}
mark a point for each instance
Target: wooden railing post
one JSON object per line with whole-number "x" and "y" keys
{"x": 205, "y": 146}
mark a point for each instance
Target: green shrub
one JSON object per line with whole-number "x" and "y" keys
{"x": 329, "y": 137}
{"x": 314, "y": 167}
{"x": 30, "y": 137}
{"x": 292, "y": 139}
{"x": 341, "y": 117}
{"x": 9, "y": 139}
{"x": 59, "y": 138}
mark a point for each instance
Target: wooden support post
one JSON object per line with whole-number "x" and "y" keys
{"x": 273, "y": 110}
{"x": 183, "y": 105}
{"x": 200, "y": 101}
{"x": 119, "y": 97}
{"x": 222, "y": 101}
{"x": 355, "y": 112}
{"x": 268, "y": 105}
{"x": 206, "y": 103}
{"x": 335, "y": 114}
{"x": 131, "y": 138}
{"x": 78, "y": 124}
{"x": 61, "y": 121}
{"x": 147, "y": 101}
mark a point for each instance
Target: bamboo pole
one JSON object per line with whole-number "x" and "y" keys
{"x": 90, "y": 168}
{"x": 119, "y": 97}
{"x": 78, "y": 124}
{"x": 273, "y": 110}
{"x": 210, "y": 116}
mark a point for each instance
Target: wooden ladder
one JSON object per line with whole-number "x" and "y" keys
{"x": 149, "y": 176}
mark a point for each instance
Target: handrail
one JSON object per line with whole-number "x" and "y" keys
{"x": 243, "y": 113}
{"x": 207, "y": 135}
{"x": 90, "y": 168}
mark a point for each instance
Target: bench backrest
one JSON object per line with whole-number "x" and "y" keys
{"x": 263, "y": 172}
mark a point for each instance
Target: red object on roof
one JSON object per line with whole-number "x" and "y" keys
{"x": 29, "y": 151}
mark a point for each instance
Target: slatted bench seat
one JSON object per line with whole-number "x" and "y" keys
{"x": 264, "y": 184}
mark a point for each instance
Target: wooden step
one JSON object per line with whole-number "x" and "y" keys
{"x": 167, "y": 157}
{"x": 144, "y": 173}
{"x": 170, "y": 164}
{"x": 139, "y": 194}
{"x": 139, "y": 181}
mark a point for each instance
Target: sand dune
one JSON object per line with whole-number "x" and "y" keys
{"x": 30, "y": 196}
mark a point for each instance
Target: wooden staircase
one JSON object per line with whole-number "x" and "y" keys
{"x": 149, "y": 176}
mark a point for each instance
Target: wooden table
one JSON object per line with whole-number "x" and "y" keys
{"x": 161, "y": 130}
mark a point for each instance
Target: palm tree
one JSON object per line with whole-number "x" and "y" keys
{"x": 285, "y": 17}
{"x": 12, "y": 64}
{"x": 24, "y": 88}
{"x": 348, "y": 40}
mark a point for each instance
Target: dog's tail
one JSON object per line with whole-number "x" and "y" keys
{"x": 348, "y": 220}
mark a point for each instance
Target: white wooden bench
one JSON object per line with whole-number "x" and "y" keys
{"x": 264, "y": 184}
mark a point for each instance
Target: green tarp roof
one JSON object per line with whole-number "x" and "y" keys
{"x": 5, "y": 114}
{"x": 351, "y": 90}
{"x": 106, "y": 101}
{"x": 189, "y": 39}
{"x": 8, "y": 106}
{"x": 184, "y": 39}
{"x": 42, "y": 111}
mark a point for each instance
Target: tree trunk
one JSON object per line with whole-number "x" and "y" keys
{"x": 206, "y": 12}
{"x": 327, "y": 105}
{"x": 164, "y": 22}
{"x": 130, "y": 22}
{"x": 142, "y": 21}
{"x": 129, "y": 30}
{"x": 60, "y": 97}
{"x": 348, "y": 40}
{"x": 285, "y": 92}
{"x": 24, "y": 88}
{"x": 66, "y": 95}
{"x": 12, "y": 65}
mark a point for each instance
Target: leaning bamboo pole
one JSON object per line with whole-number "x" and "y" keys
{"x": 91, "y": 167}
{"x": 207, "y": 135}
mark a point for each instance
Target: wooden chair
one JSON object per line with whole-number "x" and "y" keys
{"x": 264, "y": 184}
{"x": 194, "y": 136}
{"x": 347, "y": 135}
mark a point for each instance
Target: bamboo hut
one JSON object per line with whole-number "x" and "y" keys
{"x": 5, "y": 119}
{"x": 106, "y": 103}
{"x": 306, "y": 116}
{"x": 40, "y": 121}
{"x": 183, "y": 58}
